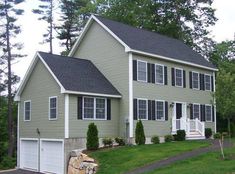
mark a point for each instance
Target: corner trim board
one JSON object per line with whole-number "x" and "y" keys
{"x": 131, "y": 119}
{"x": 66, "y": 116}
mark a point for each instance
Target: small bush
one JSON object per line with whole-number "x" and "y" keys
{"x": 208, "y": 132}
{"x": 107, "y": 142}
{"x": 7, "y": 163}
{"x": 155, "y": 140}
{"x": 139, "y": 133}
{"x": 180, "y": 135}
{"x": 217, "y": 135}
{"x": 120, "y": 141}
{"x": 168, "y": 138}
{"x": 92, "y": 137}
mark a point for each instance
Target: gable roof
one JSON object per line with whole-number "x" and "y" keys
{"x": 74, "y": 76}
{"x": 150, "y": 43}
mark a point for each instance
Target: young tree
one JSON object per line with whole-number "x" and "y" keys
{"x": 139, "y": 133}
{"x": 9, "y": 30}
{"x": 92, "y": 137}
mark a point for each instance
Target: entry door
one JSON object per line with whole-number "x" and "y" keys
{"x": 178, "y": 110}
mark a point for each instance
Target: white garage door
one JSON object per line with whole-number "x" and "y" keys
{"x": 29, "y": 154}
{"x": 52, "y": 157}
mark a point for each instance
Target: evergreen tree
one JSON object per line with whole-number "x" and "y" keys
{"x": 139, "y": 133}
{"x": 92, "y": 137}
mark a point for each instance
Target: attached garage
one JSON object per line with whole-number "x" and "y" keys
{"x": 52, "y": 156}
{"x": 29, "y": 154}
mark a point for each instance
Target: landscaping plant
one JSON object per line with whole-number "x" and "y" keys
{"x": 217, "y": 135}
{"x": 139, "y": 133}
{"x": 180, "y": 135}
{"x": 107, "y": 142}
{"x": 120, "y": 141}
{"x": 155, "y": 139}
{"x": 92, "y": 137}
{"x": 168, "y": 138}
{"x": 208, "y": 132}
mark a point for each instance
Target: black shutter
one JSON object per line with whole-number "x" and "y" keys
{"x": 108, "y": 109}
{"x": 79, "y": 108}
{"x": 212, "y": 84}
{"x": 190, "y": 80}
{"x": 202, "y": 84}
{"x": 135, "y": 108}
{"x": 149, "y": 110}
{"x": 166, "y": 110}
{"x": 149, "y": 70}
{"x": 153, "y": 73}
{"x": 165, "y": 75}
{"x": 184, "y": 79}
{"x": 153, "y": 110}
{"x": 191, "y": 111}
{"x": 134, "y": 70}
{"x": 213, "y": 114}
{"x": 202, "y": 108}
{"x": 173, "y": 76}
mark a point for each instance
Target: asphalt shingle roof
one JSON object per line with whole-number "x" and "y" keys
{"x": 154, "y": 43}
{"x": 78, "y": 75}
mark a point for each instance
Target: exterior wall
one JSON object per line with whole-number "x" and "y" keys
{"x": 40, "y": 86}
{"x": 171, "y": 94}
{"x": 110, "y": 58}
{"x": 106, "y": 128}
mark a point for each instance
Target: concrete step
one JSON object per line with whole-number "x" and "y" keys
{"x": 195, "y": 138}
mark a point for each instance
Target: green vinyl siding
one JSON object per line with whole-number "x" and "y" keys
{"x": 40, "y": 86}
{"x": 106, "y": 128}
{"x": 110, "y": 58}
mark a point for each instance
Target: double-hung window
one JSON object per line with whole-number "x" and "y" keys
{"x": 160, "y": 110}
{"x": 142, "y": 71}
{"x": 195, "y": 80}
{"x": 178, "y": 77}
{"x": 27, "y": 110}
{"x": 94, "y": 108}
{"x": 142, "y": 109}
{"x": 52, "y": 108}
{"x": 196, "y": 111}
{"x": 207, "y": 82}
{"x": 208, "y": 112}
{"x": 159, "y": 74}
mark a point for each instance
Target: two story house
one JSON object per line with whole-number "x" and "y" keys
{"x": 114, "y": 75}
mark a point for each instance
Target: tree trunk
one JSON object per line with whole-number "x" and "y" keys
{"x": 9, "y": 97}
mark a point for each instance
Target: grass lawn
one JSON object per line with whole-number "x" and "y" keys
{"x": 210, "y": 163}
{"x": 123, "y": 159}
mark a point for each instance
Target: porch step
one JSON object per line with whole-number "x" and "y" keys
{"x": 194, "y": 136}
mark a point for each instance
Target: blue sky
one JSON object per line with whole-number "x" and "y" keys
{"x": 32, "y": 31}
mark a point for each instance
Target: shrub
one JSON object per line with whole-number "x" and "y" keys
{"x": 208, "y": 132}
{"x": 217, "y": 135}
{"x": 139, "y": 133}
{"x": 7, "y": 163}
{"x": 155, "y": 139}
{"x": 180, "y": 135}
{"x": 107, "y": 141}
{"x": 120, "y": 141}
{"x": 168, "y": 138}
{"x": 92, "y": 137}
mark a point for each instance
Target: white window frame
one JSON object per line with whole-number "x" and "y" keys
{"x": 205, "y": 82}
{"x": 198, "y": 111}
{"x": 94, "y": 109}
{"x": 146, "y": 63}
{"x": 198, "y": 80}
{"x": 49, "y": 111}
{"x": 182, "y": 77}
{"x": 146, "y": 108}
{"x": 211, "y": 113}
{"x": 29, "y": 110}
{"x": 163, "y": 73}
{"x": 164, "y": 117}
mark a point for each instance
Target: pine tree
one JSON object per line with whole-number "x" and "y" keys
{"x": 92, "y": 137}
{"x": 139, "y": 133}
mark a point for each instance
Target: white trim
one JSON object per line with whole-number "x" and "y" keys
{"x": 29, "y": 110}
{"x": 164, "y": 112}
{"x": 211, "y": 113}
{"x": 131, "y": 119}
{"x": 197, "y": 82}
{"x": 94, "y": 108}
{"x": 146, "y": 63}
{"x": 182, "y": 73}
{"x": 91, "y": 94}
{"x": 66, "y": 116}
{"x": 138, "y": 108}
{"x": 205, "y": 82}
{"x": 18, "y": 135}
{"x": 215, "y": 119}
{"x": 163, "y": 73}
{"x": 198, "y": 111}
{"x": 49, "y": 108}
{"x": 171, "y": 59}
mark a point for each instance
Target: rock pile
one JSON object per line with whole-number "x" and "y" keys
{"x": 80, "y": 163}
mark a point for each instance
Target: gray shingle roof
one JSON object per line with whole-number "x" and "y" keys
{"x": 154, "y": 43}
{"x": 78, "y": 75}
